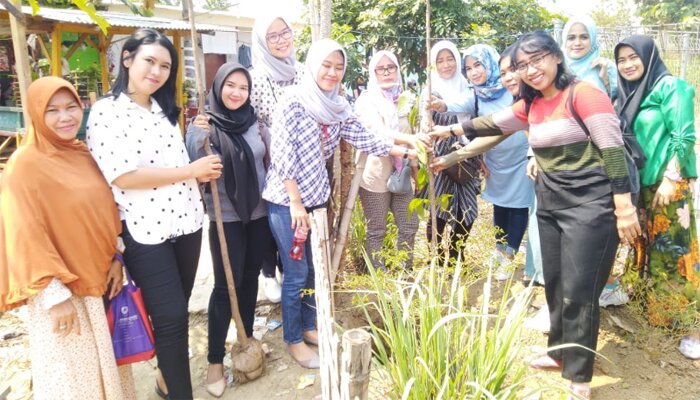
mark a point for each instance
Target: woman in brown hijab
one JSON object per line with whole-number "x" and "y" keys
{"x": 58, "y": 237}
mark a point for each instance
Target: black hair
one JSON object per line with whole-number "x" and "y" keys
{"x": 509, "y": 52}
{"x": 541, "y": 41}
{"x": 165, "y": 95}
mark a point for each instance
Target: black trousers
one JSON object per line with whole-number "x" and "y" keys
{"x": 578, "y": 250}
{"x": 247, "y": 244}
{"x": 271, "y": 261}
{"x": 165, "y": 273}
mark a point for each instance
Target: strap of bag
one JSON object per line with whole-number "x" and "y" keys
{"x": 572, "y": 109}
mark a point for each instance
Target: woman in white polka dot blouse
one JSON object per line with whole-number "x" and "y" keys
{"x": 134, "y": 136}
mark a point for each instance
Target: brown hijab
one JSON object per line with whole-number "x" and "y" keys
{"x": 57, "y": 215}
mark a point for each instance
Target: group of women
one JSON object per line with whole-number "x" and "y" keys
{"x": 587, "y": 186}
{"x": 271, "y": 131}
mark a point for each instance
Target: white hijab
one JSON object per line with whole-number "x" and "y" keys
{"x": 451, "y": 90}
{"x": 277, "y": 70}
{"x": 373, "y": 84}
{"x": 326, "y": 107}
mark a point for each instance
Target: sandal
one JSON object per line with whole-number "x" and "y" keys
{"x": 545, "y": 362}
{"x": 579, "y": 392}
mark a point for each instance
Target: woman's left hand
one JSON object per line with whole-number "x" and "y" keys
{"x": 603, "y": 71}
{"x": 115, "y": 279}
{"x": 627, "y": 224}
{"x": 664, "y": 193}
{"x": 423, "y": 137}
{"x": 438, "y": 164}
{"x": 201, "y": 121}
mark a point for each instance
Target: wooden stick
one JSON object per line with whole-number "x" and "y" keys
{"x": 355, "y": 365}
{"x": 327, "y": 337}
{"x": 431, "y": 177}
{"x": 346, "y": 217}
{"x": 240, "y": 329}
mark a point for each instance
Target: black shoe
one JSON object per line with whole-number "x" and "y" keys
{"x": 160, "y": 392}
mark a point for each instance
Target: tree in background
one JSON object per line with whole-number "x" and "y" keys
{"x": 658, "y": 12}
{"x": 399, "y": 24}
{"x": 614, "y": 13}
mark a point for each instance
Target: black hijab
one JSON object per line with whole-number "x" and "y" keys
{"x": 631, "y": 94}
{"x": 227, "y": 129}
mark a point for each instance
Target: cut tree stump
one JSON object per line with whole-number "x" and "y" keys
{"x": 356, "y": 364}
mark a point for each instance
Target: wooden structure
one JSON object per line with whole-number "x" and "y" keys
{"x": 53, "y": 22}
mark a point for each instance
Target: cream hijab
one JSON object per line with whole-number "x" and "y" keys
{"x": 451, "y": 90}
{"x": 276, "y": 69}
{"x": 326, "y": 107}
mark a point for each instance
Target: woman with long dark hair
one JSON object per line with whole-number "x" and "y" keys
{"x": 134, "y": 136}
{"x": 658, "y": 108}
{"x": 583, "y": 192}
{"x": 235, "y": 134}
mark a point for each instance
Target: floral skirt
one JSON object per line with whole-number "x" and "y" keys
{"x": 664, "y": 265}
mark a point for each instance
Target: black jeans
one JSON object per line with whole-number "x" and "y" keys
{"x": 271, "y": 261}
{"x": 247, "y": 246}
{"x": 165, "y": 273}
{"x": 578, "y": 250}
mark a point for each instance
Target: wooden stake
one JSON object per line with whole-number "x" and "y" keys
{"x": 19, "y": 43}
{"x": 431, "y": 177}
{"x": 355, "y": 365}
{"x": 346, "y": 217}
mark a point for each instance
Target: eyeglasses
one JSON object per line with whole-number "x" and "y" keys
{"x": 276, "y": 36}
{"x": 535, "y": 62}
{"x": 385, "y": 70}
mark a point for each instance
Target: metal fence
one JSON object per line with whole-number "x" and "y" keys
{"x": 680, "y": 50}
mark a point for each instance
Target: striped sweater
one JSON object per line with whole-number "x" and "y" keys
{"x": 573, "y": 167}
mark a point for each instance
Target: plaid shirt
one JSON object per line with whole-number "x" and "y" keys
{"x": 299, "y": 147}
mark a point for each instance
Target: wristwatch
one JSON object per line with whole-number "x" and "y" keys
{"x": 405, "y": 153}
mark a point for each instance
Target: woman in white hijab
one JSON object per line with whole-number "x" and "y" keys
{"x": 307, "y": 126}
{"x": 448, "y": 86}
{"x": 274, "y": 69}
{"x": 377, "y": 109}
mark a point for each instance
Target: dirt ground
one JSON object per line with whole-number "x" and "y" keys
{"x": 639, "y": 365}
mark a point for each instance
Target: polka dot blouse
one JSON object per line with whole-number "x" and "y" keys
{"x": 266, "y": 93}
{"x": 122, "y": 137}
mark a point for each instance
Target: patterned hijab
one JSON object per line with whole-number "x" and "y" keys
{"x": 451, "y": 90}
{"x": 326, "y": 107}
{"x": 390, "y": 92}
{"x": 278, "y": 70}
{"x": 493, "y": 88}
{"x": 631, "y": 94}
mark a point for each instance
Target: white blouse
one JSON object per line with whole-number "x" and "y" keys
{"x": 265, "y": 93}
{"x": 122, "y": 137}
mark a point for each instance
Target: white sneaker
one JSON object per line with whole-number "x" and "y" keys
{"x": 502, "y": 267}
{"x": 272, "y": 289}
{"x": 690, "y": 347}
{"x": 539, "y": 321}
{"x": 613, "y": 297}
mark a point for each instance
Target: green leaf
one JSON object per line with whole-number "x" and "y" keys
{"x": 422, "y": 153}
{"x": 422, "y": 178}
{"x": 89, "y": 9}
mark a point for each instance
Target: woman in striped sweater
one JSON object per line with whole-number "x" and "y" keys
{"x": 583, "y": 195}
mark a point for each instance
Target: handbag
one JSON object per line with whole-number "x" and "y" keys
{"x": 465, "y": 170}
{"x": 132, "y": 335}
{"x": 400, "y": 181}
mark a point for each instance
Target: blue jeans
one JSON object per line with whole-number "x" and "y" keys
{"x": 533, "y": 257}
{"x": 298, "y": 305}
{"x": 512, "y": 223}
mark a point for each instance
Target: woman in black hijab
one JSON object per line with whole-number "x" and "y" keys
{"x": 658, "y": 108}
{"x": 235, "y": 135}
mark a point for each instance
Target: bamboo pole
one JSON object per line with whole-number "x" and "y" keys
{"x": 327, "y": 337}
{"x": 19, "y": 43}
{"x": 355, "y": 365}
{"x": 56, "y": 56}
{"x": 431, "y": 177}
{"x": 346, "y": 217}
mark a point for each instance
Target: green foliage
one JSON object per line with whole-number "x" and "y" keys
{"x": 399, "y": 25}
{"x": 215, "y": 5}
{"x": 430, "y": 344}
{"x": 342, "y": 34}
{"x": 613, "y": 13}
{"x": 658, "y": 12}
{"x": 87, "y": 6}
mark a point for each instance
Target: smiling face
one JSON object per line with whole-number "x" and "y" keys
{"x": 149, "y": 69}
{"x": 629, "y": 64}
{"x": 509, "y": 76}
{"x": 386, "y": 72}
{"x": 279, "y": 39}
{"x": 63, "y": 114}
{"x": 331, "y": 72}
{"x": 476, "y": 73}
{"x": 446, "y": 64}
{"x": 235, "y": 91}
{"x": 578, "y": 41}
{"x": 539, "y": 71}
